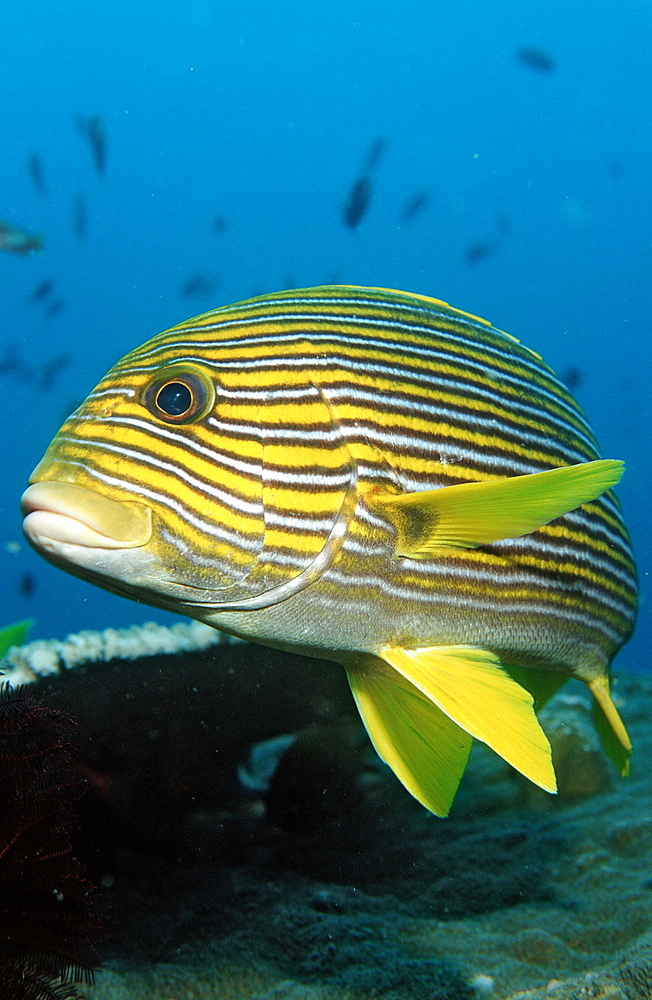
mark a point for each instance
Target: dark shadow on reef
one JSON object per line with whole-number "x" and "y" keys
{"x": 303, "y": 870}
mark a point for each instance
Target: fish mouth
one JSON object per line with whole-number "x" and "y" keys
{"x": 59, "y": 514}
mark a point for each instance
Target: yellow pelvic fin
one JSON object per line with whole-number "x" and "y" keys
{"x": 614, "y": 737}
{"x": 426, "y": 750}
{"x": 471, "y": 686}
{"x": 473, "y": 514}
{"x": 542, "y": 684}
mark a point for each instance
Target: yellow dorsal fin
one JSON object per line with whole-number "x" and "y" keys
{"x": 475, "y": 691}
{"x": 473, "y": 514}
{"x": 618, "y": 750}
{"x": 426, "y": 750}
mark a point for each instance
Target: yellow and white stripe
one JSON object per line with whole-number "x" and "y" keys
{"x": 319, "y": 389}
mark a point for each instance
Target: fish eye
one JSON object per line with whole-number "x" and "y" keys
{"x": 174, "y": 398}
{"x": 179, "y": 395}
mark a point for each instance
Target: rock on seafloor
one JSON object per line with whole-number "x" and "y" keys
{"x": 322, "y": 879}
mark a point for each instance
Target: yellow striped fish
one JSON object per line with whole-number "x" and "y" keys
{"x": 370, "y": 477}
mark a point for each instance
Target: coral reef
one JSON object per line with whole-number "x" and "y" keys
{"x": 325, "y": 880}
{"x": 26, "y": 664}
{"x": 47, "y": 928}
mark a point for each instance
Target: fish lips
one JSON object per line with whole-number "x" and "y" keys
{"x": 60, "y": 517}
{"x": 96, "y": 538}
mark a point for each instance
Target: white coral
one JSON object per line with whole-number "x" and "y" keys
{"x": 24, "y": 664}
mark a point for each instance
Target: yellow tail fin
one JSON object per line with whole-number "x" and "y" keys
{"x": 614, "y": 737}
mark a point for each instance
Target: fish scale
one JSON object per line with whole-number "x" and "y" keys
{"x": 306, "y": 505}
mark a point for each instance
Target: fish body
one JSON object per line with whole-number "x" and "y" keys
{"x": 92, "y": 128}
{"x": 357, "y": 202}
{"x": 479, "y": 251}
{"x": 42, "y": 290}
{"x": 15, "y": 240}
{"x": 366, "y": 476}
{"x": 199, "y": 285}
{"x": 35, "y": 167}
{"x": 536, "y": 58}
{"x": 375, "y": 154}
{"x": 415, "y": 206}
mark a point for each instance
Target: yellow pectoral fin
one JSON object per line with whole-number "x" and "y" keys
{"x": 473, "y": 514}
{"x": 426, "y": 750}
{"x": 475, "y": 691}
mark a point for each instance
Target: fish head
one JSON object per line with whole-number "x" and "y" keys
{"x": 195, "y": 480}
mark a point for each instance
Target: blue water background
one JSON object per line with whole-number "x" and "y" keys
{"x": 263, "y": 114}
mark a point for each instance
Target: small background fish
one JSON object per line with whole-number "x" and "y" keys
{"x": 18, "y": 241}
